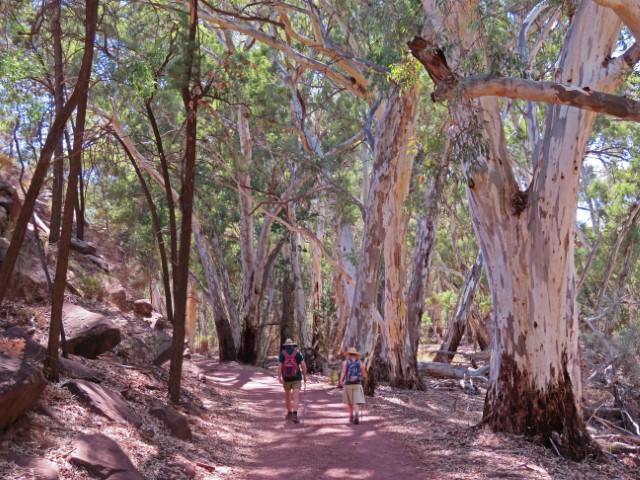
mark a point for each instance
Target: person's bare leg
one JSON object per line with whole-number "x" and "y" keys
{"x": 287, "y": 399}
{"x": 350, "y": 412}
{"x": 296, "y": 399}
{"x": 296, "y": 402}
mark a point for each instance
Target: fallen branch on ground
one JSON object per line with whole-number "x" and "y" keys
{"x": 444, "y": 370}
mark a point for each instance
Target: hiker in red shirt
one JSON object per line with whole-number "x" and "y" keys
{"x": 351, "y": 379}
{"x": 291, "y": 370}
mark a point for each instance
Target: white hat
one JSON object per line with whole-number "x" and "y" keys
{"x": 289, "y": 343}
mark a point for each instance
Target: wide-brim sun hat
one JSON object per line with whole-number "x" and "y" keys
{"x": 289, "y": 343}
{"x": 352, "y": 351}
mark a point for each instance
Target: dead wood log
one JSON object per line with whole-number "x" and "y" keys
{"x": 444, "y": 370}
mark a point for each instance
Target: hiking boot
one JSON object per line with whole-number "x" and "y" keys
{"x": 294, "y": 418}
{"x": 288, "y": 416}
{"x": 356, "y": 420}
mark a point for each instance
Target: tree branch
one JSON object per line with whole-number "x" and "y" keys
{"x": 627, "y": 10}
{"x": 548, "y": 92}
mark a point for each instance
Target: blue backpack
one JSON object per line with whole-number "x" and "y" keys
{"x": 354, "y": 373}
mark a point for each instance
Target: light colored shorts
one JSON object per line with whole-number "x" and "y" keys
{"x": 352, "y": 394}
{"x": 295, "y": 385}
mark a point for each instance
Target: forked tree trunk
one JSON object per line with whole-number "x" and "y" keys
{"x": 527, "y": 237}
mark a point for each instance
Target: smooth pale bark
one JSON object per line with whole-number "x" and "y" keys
{"x": 304, "y": 340}
{"x": 397, "y": 354}
{"x": 316, "y": 277}
{"x": 343, "y": 288}
{"x": 394, "y": 136}
{"x": 288, "y": 325}
{"x": 628, "y": 11}
{"x": 527, "y": 237}
{"x": 463, "y": 311}
{"x": 192, "y": 314}
{"x": 229, "y": 23}
{"x": 246, "y": 207}
{"x": 226, "y": 295}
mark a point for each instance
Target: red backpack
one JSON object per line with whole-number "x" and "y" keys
{"x": 290, "y": 367}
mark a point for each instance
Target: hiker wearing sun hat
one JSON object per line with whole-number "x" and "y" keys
{"x": 291, "y": 371}
{"x": 351, "y": 376}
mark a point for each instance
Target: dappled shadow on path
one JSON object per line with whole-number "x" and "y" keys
{"x": 325, "y": 445}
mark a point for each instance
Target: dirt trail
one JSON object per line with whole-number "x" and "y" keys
{"x": 325, "y": 445}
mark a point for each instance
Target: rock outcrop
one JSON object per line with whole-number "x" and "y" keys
{"x": 88, "y": 334}
{"x": 103, "y": 458}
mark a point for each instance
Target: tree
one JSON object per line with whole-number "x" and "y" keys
{"x": 526, "y": 234}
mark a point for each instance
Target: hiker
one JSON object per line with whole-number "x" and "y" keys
{"x": 291, "y": 371}
{"x": 351, "y": 379}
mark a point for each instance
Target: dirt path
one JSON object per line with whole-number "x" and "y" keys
{"x": 324, "y": 446}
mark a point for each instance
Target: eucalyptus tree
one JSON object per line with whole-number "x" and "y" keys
{"x": 526, "y": 230}
{"x": 317, "y": 40}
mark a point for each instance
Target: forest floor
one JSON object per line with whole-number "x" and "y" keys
{"x": 236, "y": 413}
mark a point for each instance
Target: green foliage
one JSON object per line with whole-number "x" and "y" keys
{"x": 92, "y": 286}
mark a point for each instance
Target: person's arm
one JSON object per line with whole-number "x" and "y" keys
{"x": 343, "y": 373}
{"x": 303, "y": 367}
{"x": 280, "y": 370}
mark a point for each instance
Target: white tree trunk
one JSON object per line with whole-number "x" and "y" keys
{"x": 298, "y": 291}
{"x": 246, "y": 205}
{"x": 316, "y": 275}
{"x": 527, "y": 237}
{"x": 394, "y": 138}
{"x": 396, "y": 351}
{"x": 343, "y": 288}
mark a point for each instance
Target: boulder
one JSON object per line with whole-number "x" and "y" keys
{"x": 82, "y": 247}
{"x": 37, "y": 468}
{"x": 103, "y": 458}
{"x": 143, "y": 307}
{"x": 176, "y": 422}
{"x": 9, "y": 200}
{"x": 88, "y": 334}
{"x": 21, "y": 385}
{"x": 117, "y": 295}
{"x": 104, "y": 402}
{"x": 35, "y": 353}
{"x": 28, "y": 281}
{"x": 164, "y": 352}
{"x": 100, "y": 262}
